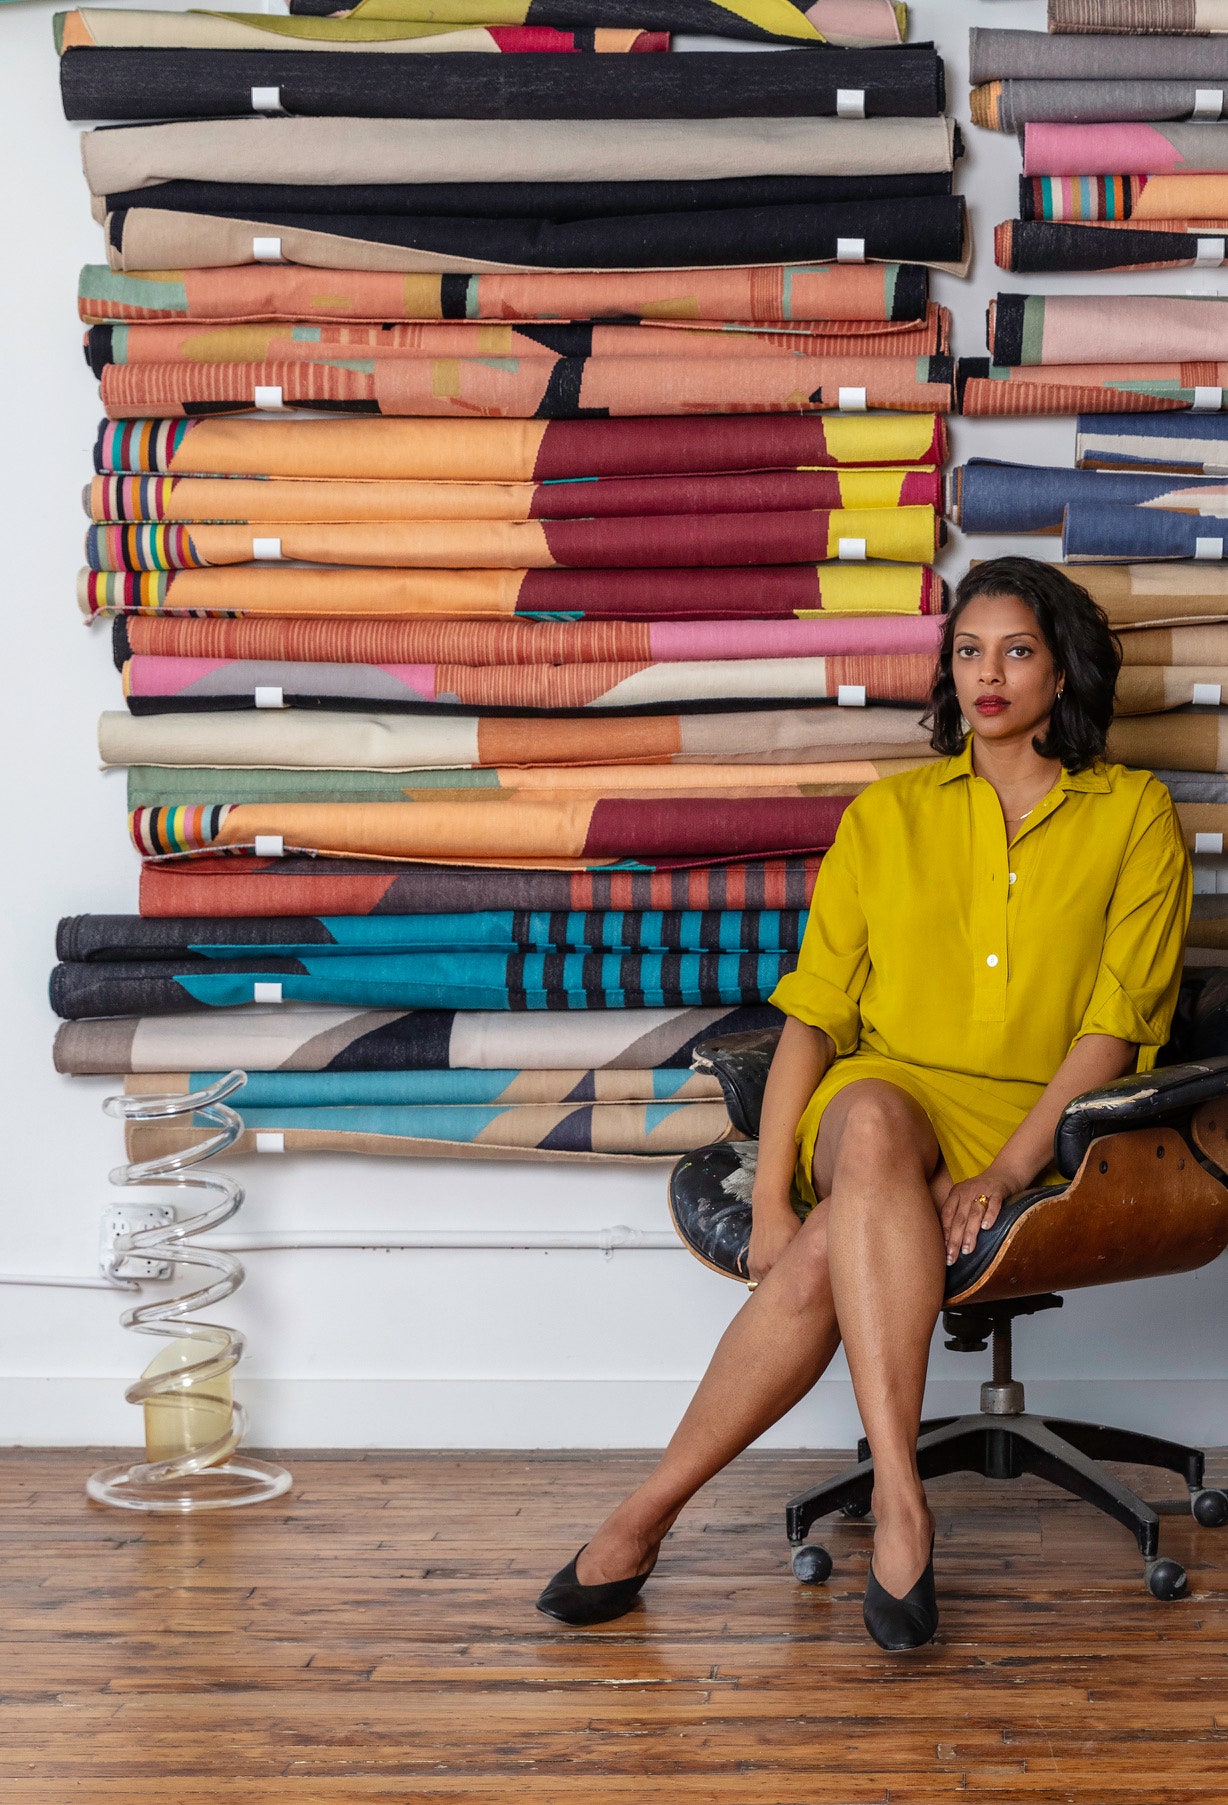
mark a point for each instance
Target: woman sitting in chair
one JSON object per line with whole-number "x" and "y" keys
{"x": 991, "y": 935}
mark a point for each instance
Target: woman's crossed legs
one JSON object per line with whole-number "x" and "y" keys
{"x": 866, "y": 1268}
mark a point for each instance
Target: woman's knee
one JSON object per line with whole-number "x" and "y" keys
{"x": 873, "y": 1127}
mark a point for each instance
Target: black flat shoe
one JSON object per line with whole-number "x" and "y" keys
{"x": 569, "y": 1601}
{"x": 899, "y": 1623}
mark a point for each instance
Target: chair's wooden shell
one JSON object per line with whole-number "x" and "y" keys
{"x": 1140, "y": 1206}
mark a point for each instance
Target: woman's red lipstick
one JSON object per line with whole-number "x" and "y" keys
{"x": 990, "y": 705}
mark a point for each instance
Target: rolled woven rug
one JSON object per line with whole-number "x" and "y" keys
{"x": 304, "y": 342}
{"x": 349, "y": 150}
{"x": 156, "y": 685}
{"x": 1117, "y": 329}
{"x": 311, "y": 739}
{"x": 1112, "y": 534}
{"x": 394, "y": 1040}
{"x": 589, "y": 1132}
{"x": 253, "y": 501}
{"x": 513, "y": 450}
{"x": 825, "y": 21}
{"x": 1182, "y": 443}
{"x": 527, "y": 642}
{"x": 989, "y": 497}
{"x": 902, "y": 81}
{"x": 551, "y": 833}
{"x": 910, "y": 535}
{"x": 184, "y": 786}
{"x": 1139, "y": 16}
{"x": 995, "y": 55}
{"x": 520, "y": 981}
{"x": 120, "y": 28}
{"x": 549, "y": 388}
{"x": 1010, "y": 106}
{"x": 986, "y": 388}
{"x": 1131, "y": 149}
{"x": 738, "y": 591}
{"x": 1136, "y": 197}
{"x": 929, "y": 230}
{"x": 1025, "y": 246}
{"x": 106, "y": 939}
{"x": 235, "y": 885}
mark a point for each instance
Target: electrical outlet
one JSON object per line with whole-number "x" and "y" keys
{"x": 124, "y": 1219}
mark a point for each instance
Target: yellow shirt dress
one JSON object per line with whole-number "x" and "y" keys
{"x": 962, "y": 970}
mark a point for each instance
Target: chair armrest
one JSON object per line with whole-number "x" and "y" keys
{"x": 1158, "y": 1099}
{"x": 740, "y": 1063}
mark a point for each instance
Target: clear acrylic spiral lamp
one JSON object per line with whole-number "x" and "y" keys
{"x": 193, "y": 1424}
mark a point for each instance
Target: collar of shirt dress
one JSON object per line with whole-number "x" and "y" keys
{"x": 995, "y": 870}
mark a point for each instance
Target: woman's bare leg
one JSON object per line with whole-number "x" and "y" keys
{"x": 877, "y": 1158}
{"x": 778, "y": 1345}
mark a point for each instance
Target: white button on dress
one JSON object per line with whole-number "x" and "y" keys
{"x": 992, "y": 959}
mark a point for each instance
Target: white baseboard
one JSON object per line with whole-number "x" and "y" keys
{"x": 562, "y": 1413}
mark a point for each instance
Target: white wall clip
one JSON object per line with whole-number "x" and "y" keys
{"x": 1209, "y": 843}
{"x": 266, "y": 100}
{"x": 851, "y": 551}
{"x": 1206, "y": 695}
{"x": 1209, "y": 253}
{"x": 850, "y": 103}
{"x": 851, "y": 401}
{"x": 1208, "y": 549}
{"x": 851, "y": 695}
{"x": 1207, "y": 399}
{"x": 267, "y": 250}
{"x": 269, "y": 695}
{"x": 850, "y": 250}
{"x": 266, "y": 991}
{"x": 1208, "y": 103}
{"x": 269, "y": 549}
{"x": 267, "y": 395}
{"x": 270, "y": 1141}
{"x": 270, "y": 846}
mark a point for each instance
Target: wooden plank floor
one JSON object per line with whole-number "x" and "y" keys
{"x": 372, "y": 1637}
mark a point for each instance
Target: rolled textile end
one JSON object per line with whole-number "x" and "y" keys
{"x": 985, "y": 104}
{"x": 1004, "y": 244}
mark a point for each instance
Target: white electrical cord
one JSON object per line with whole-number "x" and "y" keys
{"x": 600, "y": 1240}
{"x": 68, "y": 1281}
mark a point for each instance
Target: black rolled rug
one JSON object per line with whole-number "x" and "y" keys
{"x": 903, "y": 82}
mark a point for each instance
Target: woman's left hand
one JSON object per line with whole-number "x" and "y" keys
{"x": 971, "y": 1206}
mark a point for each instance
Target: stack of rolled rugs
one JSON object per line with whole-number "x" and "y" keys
{"x": 1144, "y": 523}
{"x": 494, "y": 690}
{"x": 1125, "y": 154}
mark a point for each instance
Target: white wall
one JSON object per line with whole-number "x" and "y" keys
{"x": 411, "y": 1349}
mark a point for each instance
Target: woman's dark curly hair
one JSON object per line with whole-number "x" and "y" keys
{"x": 1085, "y": 650}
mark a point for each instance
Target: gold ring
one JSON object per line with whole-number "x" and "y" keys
{"x": 983, "y": 1198}
{"x": 752, "y": 1284}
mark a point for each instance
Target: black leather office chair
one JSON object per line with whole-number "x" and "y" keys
{"x": 1145, "y": 1161}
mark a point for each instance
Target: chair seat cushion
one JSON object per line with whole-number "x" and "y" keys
{"x": 710, "y": 1202}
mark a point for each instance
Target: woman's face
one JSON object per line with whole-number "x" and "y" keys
{"x": 1005, "y": 676}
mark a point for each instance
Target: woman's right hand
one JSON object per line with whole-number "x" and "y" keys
{"x": 772, "y": 1229}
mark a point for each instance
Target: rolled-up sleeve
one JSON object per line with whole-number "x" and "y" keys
{"x": 834, "y": 961}
{"x": 1139, "y": 976}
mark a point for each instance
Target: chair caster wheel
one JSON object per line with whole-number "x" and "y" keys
{"x": 858, "y": 1508}
{"x": 1210, "y": 1508}
{"x": 1165, "y": 1579}
{"x": 811, "y": 1564}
